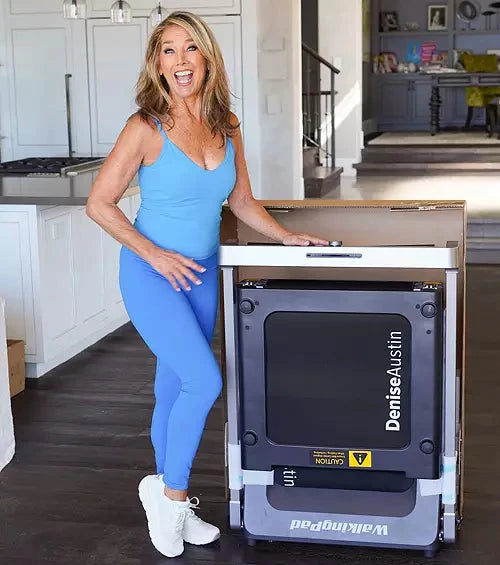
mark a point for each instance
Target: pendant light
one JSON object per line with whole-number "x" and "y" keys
{"x": 121, "y": 12}
{"x": 158, "y": 14}
{"x": 74, "y": 9}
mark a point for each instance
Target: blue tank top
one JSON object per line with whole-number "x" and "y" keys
{"x": 181, "y": 202}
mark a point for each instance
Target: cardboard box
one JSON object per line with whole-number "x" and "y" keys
{"x": 367, "y": 223}
{"x": 17, "y": 375}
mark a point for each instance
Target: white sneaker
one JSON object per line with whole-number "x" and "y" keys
{"x": 165, "y": 517}
{"x": 196, "y": 531}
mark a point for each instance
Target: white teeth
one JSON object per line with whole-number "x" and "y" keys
{"x": 183, "y": 73}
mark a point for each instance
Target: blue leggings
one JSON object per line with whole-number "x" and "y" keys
{"x": 178, "y": 328}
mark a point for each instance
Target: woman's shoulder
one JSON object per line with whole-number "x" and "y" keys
{"x": 233, "y": 120}
{"x": 141, "y": 124}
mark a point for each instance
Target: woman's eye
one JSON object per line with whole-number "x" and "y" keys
{"x": 166, "y": 51}
{"x": 193, "y": 47}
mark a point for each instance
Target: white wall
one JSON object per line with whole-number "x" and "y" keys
{"x": 279, "y": 97}
{"x": 341, "y": 43}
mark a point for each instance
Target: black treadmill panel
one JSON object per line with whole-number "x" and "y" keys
{"x": 338, "y": 379}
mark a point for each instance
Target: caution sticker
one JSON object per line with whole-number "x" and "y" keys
{"x": 329, "y": 458}
{"x": 360, "y": 459}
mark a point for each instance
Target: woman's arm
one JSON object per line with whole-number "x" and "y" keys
{"x": 251, "y": 212}
{"x": 112, "y": 180}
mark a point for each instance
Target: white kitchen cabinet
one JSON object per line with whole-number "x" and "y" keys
{"x": 41, "y": 49}
{"x": 227, "y": 31}
{"x": 59, "y": 278}
{"x": 34, "y": 6}
{"x": 19, "y": 279}
{"x": 144, "y": 7}
{"x": 116, "y": 55}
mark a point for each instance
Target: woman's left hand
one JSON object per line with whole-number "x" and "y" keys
{"x": 303, "y": 239}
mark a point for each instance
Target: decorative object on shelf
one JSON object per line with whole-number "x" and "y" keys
{"x": 402, "y": 68}
{"x": 158, "y": 14}
{"x": 74, "y": 9}
{"x": 411, "y": 26}
{"x": 428, "y": 48}
{"x": 440, "y": 58}
{"x": 389, "y": 61}
{"x": 437, "y": 17}
{"x": 487, "y": 14}
{"x": 389, "y": 21}
{"x": 457, "y": 58}
{"x": 121, "y": 12}
{"x": 497, "y": 53}
{"x": 414, "y": 52}
{"x": 468, "y": 11}
{"x": 412, "y": 68}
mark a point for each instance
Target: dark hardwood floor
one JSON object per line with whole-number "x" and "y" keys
{"x": 69, "y": 497}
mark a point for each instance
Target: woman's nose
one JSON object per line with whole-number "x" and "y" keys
{"x": 181, "y": 58}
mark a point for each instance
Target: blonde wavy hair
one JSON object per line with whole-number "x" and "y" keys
{"x": 153, "y": 93}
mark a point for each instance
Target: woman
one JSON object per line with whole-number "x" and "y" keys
{"x": 187, "y": 147}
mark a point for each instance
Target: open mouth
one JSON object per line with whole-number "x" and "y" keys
{"x": 184, "y": 78}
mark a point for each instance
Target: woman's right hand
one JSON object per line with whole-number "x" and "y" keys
{"x": 176, "y": 268}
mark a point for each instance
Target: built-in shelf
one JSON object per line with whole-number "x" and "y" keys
{"x": 429, "y": 33}
{"x": 478, "y": 32}
{"x": 408, "y": 33}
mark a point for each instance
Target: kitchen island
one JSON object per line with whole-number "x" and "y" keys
{"x": 59, "y": 270}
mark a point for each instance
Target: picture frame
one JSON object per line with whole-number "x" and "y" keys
{"x": 389, "y": 21}
{"x": 437, "y": 17}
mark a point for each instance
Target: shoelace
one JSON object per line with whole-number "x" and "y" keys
{"x": 189, "y": 511}
{"x": 179, "y": 521}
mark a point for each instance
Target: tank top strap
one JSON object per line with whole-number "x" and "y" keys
{"x": 160, "y": 127}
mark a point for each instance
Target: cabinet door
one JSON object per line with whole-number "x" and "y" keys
{"x": 116, "y": 55}
{"x": 421, "y": 98}
{"x": 18, "y": 282}
{"x": 393, "y": 103}
{"x": 144, "y": 7}
{"x": 88, "y": 260}
{"x": 57, "y": 270}
{"x": 111, "y": 254}
{"x": 35, "y": 7}
{"x": 41, "y": 50}
{"x": 227, "y": 31}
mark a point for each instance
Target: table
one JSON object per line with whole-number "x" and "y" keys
{"x": 454, "y": 80}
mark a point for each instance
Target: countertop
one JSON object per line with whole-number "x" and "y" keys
{"x": 57, "y": 191}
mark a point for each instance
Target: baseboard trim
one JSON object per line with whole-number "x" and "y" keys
{"x": 36, "y": 370}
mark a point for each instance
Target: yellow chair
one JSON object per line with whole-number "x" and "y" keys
{"x": 479, "y": 96}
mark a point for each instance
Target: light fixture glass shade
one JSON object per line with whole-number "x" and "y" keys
{"x": 75, "y": 9}
{"x": 121, "y": 12}
{"x": 158, "y": 14}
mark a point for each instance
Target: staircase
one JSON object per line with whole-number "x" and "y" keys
{"x": 412, "y": 160}
{"x": 321, "y": 176}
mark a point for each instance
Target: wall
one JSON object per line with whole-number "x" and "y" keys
{"x": 279, "y": 91}
{"x": 340, "y": 42}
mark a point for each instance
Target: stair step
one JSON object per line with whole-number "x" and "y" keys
{"x": 425, "y": 168}
{"x": 431, "y": 154}
{"x": 320, "y": 180}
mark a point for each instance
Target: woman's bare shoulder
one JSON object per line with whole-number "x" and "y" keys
{"x": 139, "y": 127}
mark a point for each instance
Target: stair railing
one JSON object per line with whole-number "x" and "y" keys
{"x": 318, "y": 107}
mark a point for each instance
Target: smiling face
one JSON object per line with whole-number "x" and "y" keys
{"x": 181, "y": 63}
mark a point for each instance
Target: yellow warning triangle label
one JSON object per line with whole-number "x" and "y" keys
{"x": 360, "y": 459}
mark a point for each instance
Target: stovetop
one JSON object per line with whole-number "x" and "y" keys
{"x": 44, "y": 166}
